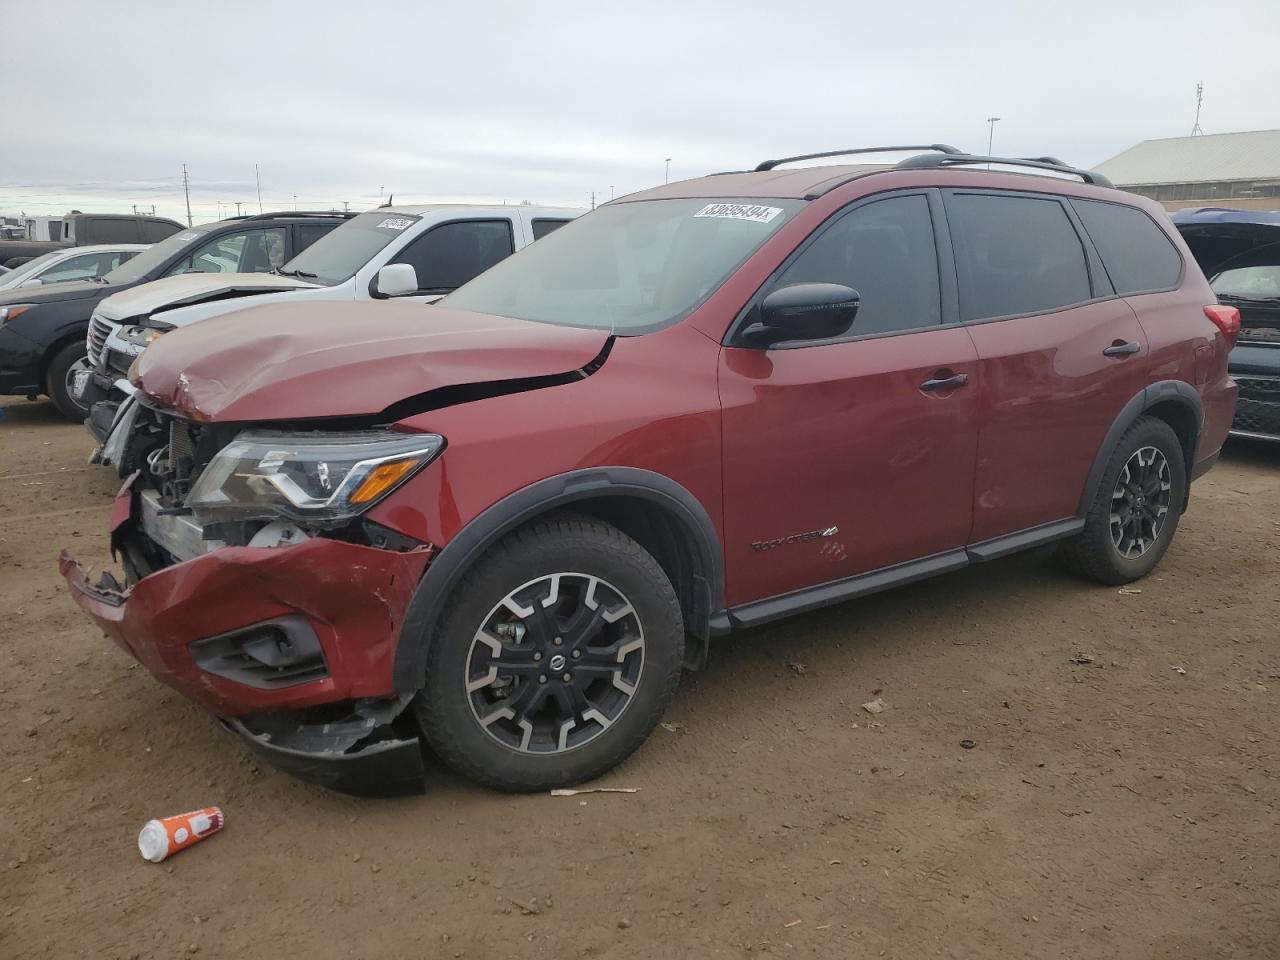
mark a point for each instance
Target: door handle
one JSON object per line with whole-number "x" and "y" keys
{"x": 1121, "y": 349}
{"x": 945, "y": 383}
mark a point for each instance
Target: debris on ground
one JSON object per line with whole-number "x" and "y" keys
{"x": 569, "y": 792}
{"x": 673, "y": 727}
{"x": 1179, "y": 670}
{"x": 1128, "y": 591}
{"x": 796, "y": 666}
{"x": 161, "y": 839}
{"x": 1082, "y": 658}
{"x": 968, "y": 744}
{"x": 875, "y": 706}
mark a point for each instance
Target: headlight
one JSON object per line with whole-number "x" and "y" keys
{"x": 15, "y": 310}
{"x": 323, "y": 477}
{"x": 141, "y": 336}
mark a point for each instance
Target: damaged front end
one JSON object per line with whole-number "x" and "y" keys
{"x": 254, "y": 586}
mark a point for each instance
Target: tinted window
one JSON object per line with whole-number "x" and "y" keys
{"x": 305, "y": 234}
{"x": 1137, "y": 254}
{"x": 1015, "y": 255}
{"x": 104, "y": 230}
{"x": 154, "y": 231}
{"x": 447, "y": 256}
{"x": 886, "y": 252}
{"x": 542, "y": 227}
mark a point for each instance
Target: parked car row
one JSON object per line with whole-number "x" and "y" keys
{"x": 85, "y": 229}
{"x": 502, "y": 523}
{"x": 43, "y": 330}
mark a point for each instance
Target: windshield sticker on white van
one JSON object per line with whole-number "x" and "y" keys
{"x": 739, "y": 211}
{"x": 396, "y": 223}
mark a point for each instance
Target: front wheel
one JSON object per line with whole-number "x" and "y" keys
{"x": 554, "y": 659}
{"x": 1135, "y": 512}
{"x": 59, "y": 381}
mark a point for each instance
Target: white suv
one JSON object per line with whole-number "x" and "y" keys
{"x": 406, "y": 252}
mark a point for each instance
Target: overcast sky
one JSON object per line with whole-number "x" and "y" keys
{"x": 547, "y": 101}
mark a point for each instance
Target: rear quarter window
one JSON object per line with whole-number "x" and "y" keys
{"x": 1137, "y": 254}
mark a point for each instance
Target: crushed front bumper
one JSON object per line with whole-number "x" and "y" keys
{"x": 349, "y": 598}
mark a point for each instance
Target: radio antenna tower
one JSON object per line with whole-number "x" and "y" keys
{"x": 1196, "y": 131}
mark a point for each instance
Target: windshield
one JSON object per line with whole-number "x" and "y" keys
{"x": 1249, "y": 283}
{"x": 627, "y": 267}
{"x": 156, "y": 255}
{"x": 30, "y": 268}
{"x": 337, "y": 255}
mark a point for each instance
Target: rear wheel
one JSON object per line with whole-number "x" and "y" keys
{"x": 1135, "y": 513}
{"x": 554, "y": 659}
{"x": 58, "y": 380}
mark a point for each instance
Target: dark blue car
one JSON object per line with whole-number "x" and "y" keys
{"x": 1239, "y": 251}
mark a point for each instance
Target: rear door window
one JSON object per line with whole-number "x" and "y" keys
{"x": 305, "y": 234}
{"x": 1137, "y": 254}
{"x": 885, "y": 250}
{"x": 1015, "y": 255}
{"x": 447, "y": 256}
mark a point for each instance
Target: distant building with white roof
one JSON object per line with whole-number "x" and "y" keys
{"x": 1216, "y": 170}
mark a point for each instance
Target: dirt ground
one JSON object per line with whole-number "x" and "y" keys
{"x": 1119, "y": 808}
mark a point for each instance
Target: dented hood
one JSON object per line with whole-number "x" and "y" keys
{"x": 307, "y": 360}
{"x": 189, "y": 288}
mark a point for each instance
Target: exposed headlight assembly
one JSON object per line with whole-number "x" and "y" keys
{"x": 141, "y": 336}
{"x": 321, "y": 477}
{"x": 12, "y": 311}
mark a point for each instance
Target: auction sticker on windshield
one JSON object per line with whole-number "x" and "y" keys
{"x": 739, "y": 211}
{"x": 396, "y": 223}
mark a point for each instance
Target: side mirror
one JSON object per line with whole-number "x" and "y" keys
{"x": 396, "y": 280}
{"x": 804, "y": 311}
{"x": 33, "y": 282}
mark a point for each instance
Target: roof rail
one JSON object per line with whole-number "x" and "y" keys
{"x": 928, "y": 161}
{"x": 939, "y": 147}
{"x": 294, "y": 213}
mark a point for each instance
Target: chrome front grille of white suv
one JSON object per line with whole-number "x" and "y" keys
{"x": 99, "y": 330}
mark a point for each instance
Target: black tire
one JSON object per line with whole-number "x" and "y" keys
{"x": 55, "y": 381}
{"x": 1098, "y": 552}
{"x": 581, "y": 549}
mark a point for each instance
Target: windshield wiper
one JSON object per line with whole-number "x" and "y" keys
{"x": 295, "y": 273}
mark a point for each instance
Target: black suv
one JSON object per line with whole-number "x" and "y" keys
{"x": 42, "y": 331}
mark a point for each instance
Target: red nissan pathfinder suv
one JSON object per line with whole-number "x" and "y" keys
{"x": 503, "y": 524}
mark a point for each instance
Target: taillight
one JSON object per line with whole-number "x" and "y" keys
{"x": 1226, "y": 319}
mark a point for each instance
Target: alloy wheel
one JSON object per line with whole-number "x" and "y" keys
{"x": 1140, "y": 502}
{"x": 555, "y": 663}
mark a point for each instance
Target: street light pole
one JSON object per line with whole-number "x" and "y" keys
{"x": 991, "y": 132}
{"x": 666, "y": 178}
